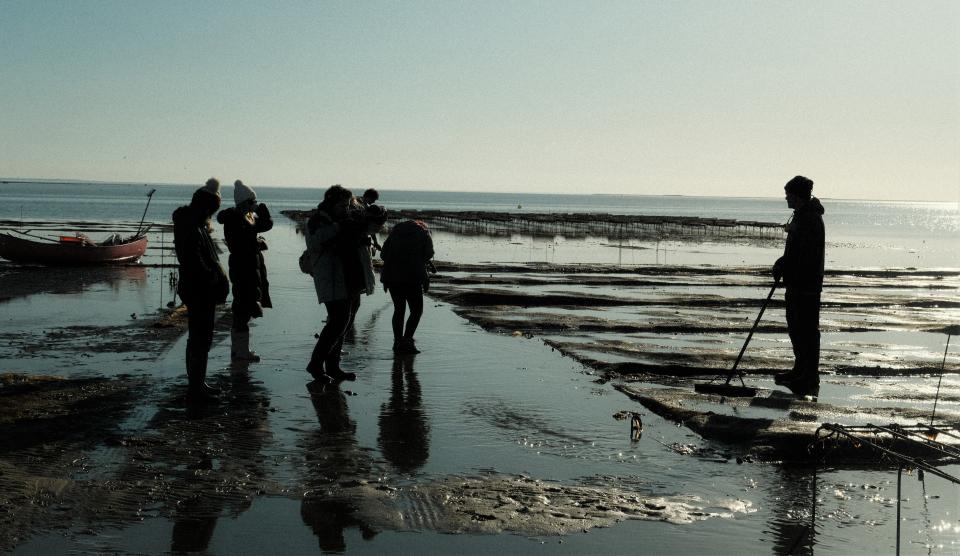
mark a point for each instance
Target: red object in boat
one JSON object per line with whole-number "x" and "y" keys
{"x": 70, "y": 251}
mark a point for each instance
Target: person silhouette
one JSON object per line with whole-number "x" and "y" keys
{"x": 801, "y": 270}
{"x": 242, "y": 225}
{"x": 406, "y": 257}
{"x": 202, "y": 285}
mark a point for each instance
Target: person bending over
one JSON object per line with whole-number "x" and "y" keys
{"x": 406, "y": 254}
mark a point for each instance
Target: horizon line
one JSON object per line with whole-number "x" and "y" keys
{"x": 52, "y": 181}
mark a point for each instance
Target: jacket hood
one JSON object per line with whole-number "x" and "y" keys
{"x": 183, "y": 215}
{"x": 225, "y": 215}
{"x": 813, "y": 205}
{"x": 408, "y": 228}
{"x": 189, "y": 215}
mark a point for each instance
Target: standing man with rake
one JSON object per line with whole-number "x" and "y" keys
{"x": 801, "y": 270}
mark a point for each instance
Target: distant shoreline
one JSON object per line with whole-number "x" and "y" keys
{"x": 52, "y": 181}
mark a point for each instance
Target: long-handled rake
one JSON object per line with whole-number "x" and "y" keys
{"x": 732, "y": 390}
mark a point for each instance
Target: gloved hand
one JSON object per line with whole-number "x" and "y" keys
{"x": 778, "y": 270}
{"x": 262, "y": 211}
{"x": 426, "y": 285}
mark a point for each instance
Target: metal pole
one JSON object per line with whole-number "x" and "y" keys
{"x": 149, "y": 198}
{"x": 942, "y": 365}
{"x": 899, "y": 481}
{"x": 752, "y": 330}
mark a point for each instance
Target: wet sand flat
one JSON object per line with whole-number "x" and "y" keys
{"x": 506, "y": 429}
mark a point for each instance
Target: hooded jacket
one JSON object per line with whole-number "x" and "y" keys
{"x": 248, "y": 273}
{"x": 406, "y": 252}
{"x": 802, "y": 262}
{"x": 202, "y": 279}
{"x": 327, "y": 242}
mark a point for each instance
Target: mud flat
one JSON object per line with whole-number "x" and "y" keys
{"x": 672, "y": 326}
{"x": 47, "y": 427}
{"x": 790, "y": 437}
{"x": 193, "y": 465}
{"x": 482, "y": 433}
{"x": 639, "y": 322}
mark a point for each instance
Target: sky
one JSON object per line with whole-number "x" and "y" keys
{"x": 632, "y": 97}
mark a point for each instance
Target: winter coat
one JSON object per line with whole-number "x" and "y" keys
{"x": 248, "y": 273}
{"x": 202, "y": 279}
{"x": 406, "y": 252}
{"x": 332, "y": 245}
{"x": 802, "y": 262}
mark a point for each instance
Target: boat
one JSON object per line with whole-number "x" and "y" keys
{"x": 72, "y": 250}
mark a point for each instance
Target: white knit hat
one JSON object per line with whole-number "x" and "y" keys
{"x": 212, "y": 187}
{"x": 242, "y": 193}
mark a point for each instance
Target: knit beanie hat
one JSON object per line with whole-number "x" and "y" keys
{"x": 212, "y": 187}
{"x": 799, "y": 185}
{"x": 242, "y": 193}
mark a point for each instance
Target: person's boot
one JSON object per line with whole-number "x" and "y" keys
{"x": 316, "y": 371}
{"x": 785, "y": 378}
{"x": 805, "y": 386}
{"x": 339, "y": 375}
{"x": 407, "y": 345}
{"x": 240, "y": 348}
{"x": 197, "y": 387}
{"x": 332, "y": 369}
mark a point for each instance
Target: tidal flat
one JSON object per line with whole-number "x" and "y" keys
{"x": 506, "y": 434}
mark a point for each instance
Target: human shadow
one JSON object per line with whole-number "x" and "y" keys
{"x": 404, "y": 436}
{"x": 333, "y": 459}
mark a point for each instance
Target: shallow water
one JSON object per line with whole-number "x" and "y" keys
{"x": 473, "y": 404}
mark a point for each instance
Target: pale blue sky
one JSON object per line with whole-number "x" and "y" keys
{"x": 696, "y": 98}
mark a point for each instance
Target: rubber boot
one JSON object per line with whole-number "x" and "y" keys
{"x": 806, "y": 385}
{"x": 332, "y": 368}
{"x": 240, "y": 348}
{"x": 407, "y": 345}
{"x": 785, "y": 378}
{"x": 197, "y": 388}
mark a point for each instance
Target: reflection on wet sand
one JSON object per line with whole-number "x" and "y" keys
{"x": 333, "y": 459}
{"x": 404, "y": 432}
{"x": 223, "y": 460}
{"x": 21, "y": 281}
{"x": 792, "y": 522}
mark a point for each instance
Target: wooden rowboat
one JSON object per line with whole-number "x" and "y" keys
{"x": 71, "y": 250}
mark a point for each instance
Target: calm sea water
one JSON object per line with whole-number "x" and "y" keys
{"x": 859, "y": 233}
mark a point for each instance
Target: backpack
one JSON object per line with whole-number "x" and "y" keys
{"x": 306, "y": 265}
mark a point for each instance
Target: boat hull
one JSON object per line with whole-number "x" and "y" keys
{"x": 69, "y": 254}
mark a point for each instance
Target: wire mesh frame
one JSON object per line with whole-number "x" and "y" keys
{"x": 924, "y": 436}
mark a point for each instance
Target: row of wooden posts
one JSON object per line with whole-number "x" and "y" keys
{"x": 613, "y": 226}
